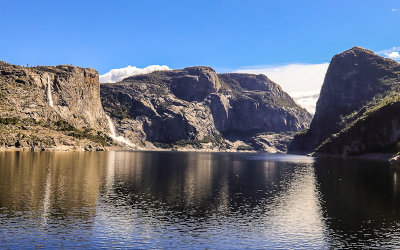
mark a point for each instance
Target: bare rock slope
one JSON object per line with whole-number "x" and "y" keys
{"x": 51, "y": 108}
{"x": 358, "y": 108}
{"x": 197, "y": 108}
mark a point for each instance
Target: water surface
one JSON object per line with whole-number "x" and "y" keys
{"x": 195, "y": 200}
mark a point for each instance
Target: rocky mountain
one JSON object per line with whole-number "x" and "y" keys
{"x": 357, "y": 111}
{"x": 376, "y": 131}
{"x": 60, "y": 108}
{"x": 51, "y": 108}
{"x": 196, "y": 108}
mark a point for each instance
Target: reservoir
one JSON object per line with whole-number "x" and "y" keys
{"x": 196, "y": 200}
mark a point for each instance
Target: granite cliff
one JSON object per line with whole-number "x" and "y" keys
{"x": 51, "y": 108}
{"x": 60, "y": 108}
{"x": 357, "y": 111}
{"x": 196, "y": 108}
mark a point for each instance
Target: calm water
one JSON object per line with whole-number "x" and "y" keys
{"x": 196, "y": 200}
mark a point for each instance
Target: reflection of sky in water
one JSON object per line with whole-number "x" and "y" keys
{"x": 217, "y": 200}
{"x": 273, "y": 222}
{"x": 280, "y": 157}
{"x": 296, "y": 213}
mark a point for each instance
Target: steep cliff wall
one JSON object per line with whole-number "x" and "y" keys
{"x": 59, "y": 108}
{"x": 196, "y": 105}
{"x": 356, "y": 80}
{"x": 256, "y": 104}
{"x": 378, "y": 131}
{"x": 51, "y": 107}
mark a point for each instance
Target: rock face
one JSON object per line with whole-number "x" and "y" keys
{"x": 256, "y": 104}
{"x": 196, "y": 105}
{"x": 377, "y": 132}
{"x": 51, "y": 107}
{"x": 193, "y": 83}
{"x": 357, "y": 84}
{"x": 59, "y": 108}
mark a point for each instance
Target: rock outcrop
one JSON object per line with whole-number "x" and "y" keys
{"x": 197, "y": 107}
{"x": 59, "y": 108}
{"x": 52, "y": 107}
{"x": 256, "y": 104}
{"x": 357, "y": 111}
{"x": 375, "y": 132}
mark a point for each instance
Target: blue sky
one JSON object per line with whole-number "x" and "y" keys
{"x": 222, "y": 34}
{"x": 270, "y": 37}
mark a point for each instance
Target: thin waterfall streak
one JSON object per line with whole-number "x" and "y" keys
{"x": 114, "y": 136}
{"x": 112, "y": 128}
{"x": 49, "y": 96}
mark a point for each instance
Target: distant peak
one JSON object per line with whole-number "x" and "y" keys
{"x": 357, "y": 50}
{"x": 260, "y": 77}
{"x": 4, "y": 63}
{"x": 199, "y": 68}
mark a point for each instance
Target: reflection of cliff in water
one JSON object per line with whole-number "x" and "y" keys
{"x": 192, "y": 183}
{"x": 361, "y": 202}
{"x": 195, "y": 183}
{"x": 149, "y": 198}
{"x": 257, "y": 198}
{"x": 51, "y": 184}
{"x": 201, "y": 200}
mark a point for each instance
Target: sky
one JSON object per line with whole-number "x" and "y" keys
{"x": 290, "y": 41}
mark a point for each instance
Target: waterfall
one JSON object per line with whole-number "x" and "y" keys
{"x": 114, "y": 136}
{"x": 112, "y": 128}
{"x": 49, "y": 97}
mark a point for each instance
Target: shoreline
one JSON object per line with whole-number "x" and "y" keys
{"x": 369, "y": 156}
{"x": 82, "y": 149}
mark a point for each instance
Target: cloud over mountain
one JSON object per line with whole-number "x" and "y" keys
{"x": 302, "y": 81}
{"x": 392, "y": 53}
{"x": 116, "y": 75}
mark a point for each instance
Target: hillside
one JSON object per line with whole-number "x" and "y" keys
{"x": 197, "y": 108}
{"x": 356, "y": 111}
{"x": 51, "y": 108}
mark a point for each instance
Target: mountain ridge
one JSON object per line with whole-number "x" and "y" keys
{"x": 73, "y": 120}
{"x": 226, "y": 105}
{"x": 358, "y": 86}
{"x": 60, "y": 108}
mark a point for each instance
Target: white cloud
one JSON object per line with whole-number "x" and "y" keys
{"x": 302, "y": 81}
{"x": 394, "y": 10}
{"x": 306, "y": 99}
{"x": 392, "y": 53}
{"x": 116, "y": 75}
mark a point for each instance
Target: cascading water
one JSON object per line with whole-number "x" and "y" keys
{"x": 114, "y": 136}
{"x": 49, "y": 97}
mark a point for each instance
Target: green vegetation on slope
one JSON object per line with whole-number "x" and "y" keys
{"x": 7, "y": 123}
{"x": 216, "y": 140}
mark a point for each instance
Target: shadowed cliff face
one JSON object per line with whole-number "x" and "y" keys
{"x": 356, "y": 81}
{"x": 194, "y": 83}
{"x": 257, "y": 104}
{"x": 43, "y": 106}
{"x": 377, "y": 132}
{"x": 197, "y": 103}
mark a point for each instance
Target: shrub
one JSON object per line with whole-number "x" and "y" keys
{"x": 244, "y": 148}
